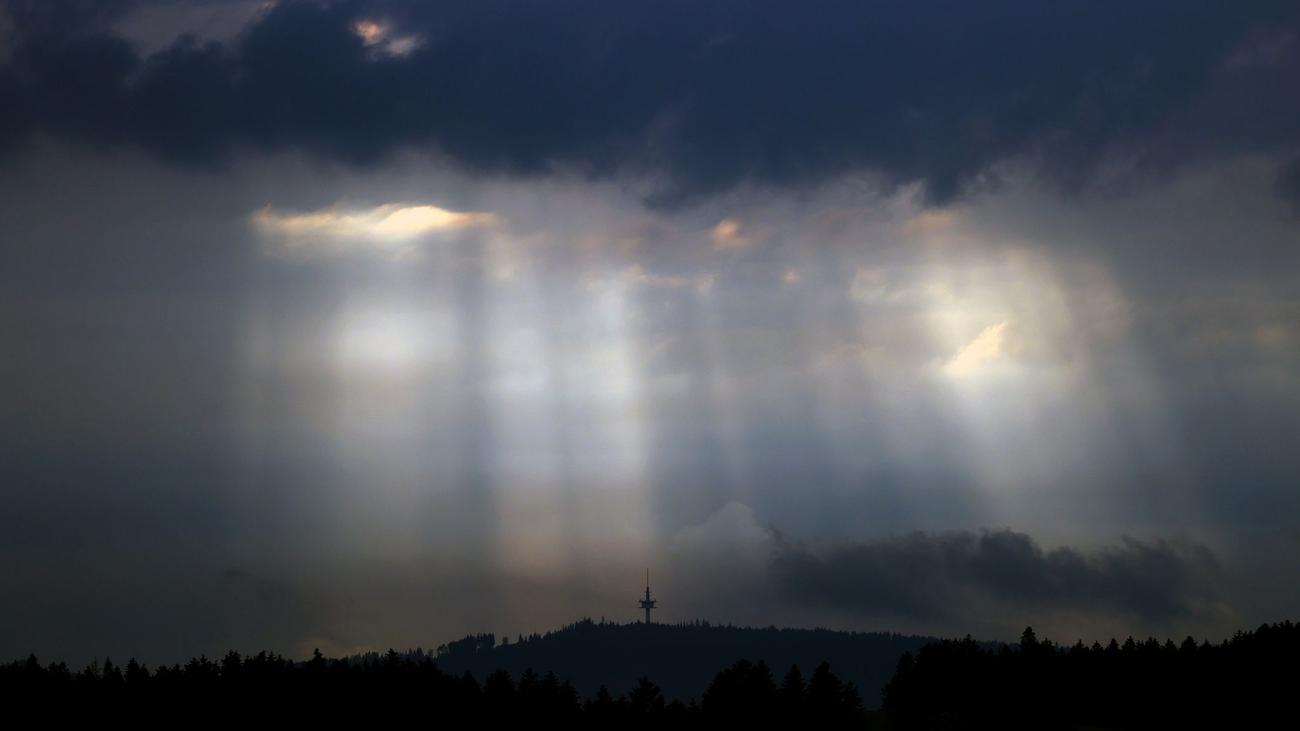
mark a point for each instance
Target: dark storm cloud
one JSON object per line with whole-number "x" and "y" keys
{"x": 947, "y": 574}
{"x": 697, "y": 95}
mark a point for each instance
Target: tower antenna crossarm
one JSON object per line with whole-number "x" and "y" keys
{"x": 647, "y": 604}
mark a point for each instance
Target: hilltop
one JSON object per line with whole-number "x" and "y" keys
{"x": 681, "y": 658}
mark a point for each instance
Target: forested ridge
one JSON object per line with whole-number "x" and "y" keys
{"x": 945, "y": 684}
{"x": 681, "y": 657}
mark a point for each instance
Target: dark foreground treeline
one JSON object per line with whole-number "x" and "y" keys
{"x": 1249, "y": 681}
{"x": 399, "y": 687}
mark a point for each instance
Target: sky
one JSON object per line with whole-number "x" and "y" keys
{"x": 357, "y": 325}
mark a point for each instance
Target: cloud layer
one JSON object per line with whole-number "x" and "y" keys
{"x": 931, "y": 576}
{"x": 693, "y": 96}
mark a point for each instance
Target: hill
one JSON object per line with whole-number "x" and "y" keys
{"x": 680, "y": 658}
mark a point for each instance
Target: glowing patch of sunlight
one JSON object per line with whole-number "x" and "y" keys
{"x": 728, "y": 235}
{"x": 1019, "y": 340}
{"x": 380, "y": 37}
{"x": 369, "y": 31}
{"x": 392, "y": 225}
{"x": 415, "y": 220}
{"x": 987, "y": 347}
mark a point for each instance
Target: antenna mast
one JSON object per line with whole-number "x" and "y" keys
{"x": 647, "y": 604}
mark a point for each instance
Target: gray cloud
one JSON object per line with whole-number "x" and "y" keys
{"x": 697, "y": 96}
{"x": 944, "y": 575}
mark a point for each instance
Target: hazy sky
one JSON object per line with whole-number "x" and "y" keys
{"x": 363, "y": 324}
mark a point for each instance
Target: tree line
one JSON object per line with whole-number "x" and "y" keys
{"x": 1248, "y": 680}
{"x": 395, "y": 683}
{"x": 1244, "y": 681}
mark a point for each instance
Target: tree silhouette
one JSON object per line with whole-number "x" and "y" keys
{"x": 1136, "y": 684}
{"x": 645, "y": 699}
{"x": 790, "y": 701}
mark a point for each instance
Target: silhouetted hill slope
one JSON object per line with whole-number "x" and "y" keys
{"x": 681, "y": 658}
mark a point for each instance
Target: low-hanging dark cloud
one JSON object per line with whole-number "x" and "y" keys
{"x": 696, "y": 96}
{"x": 939, "y": 575}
